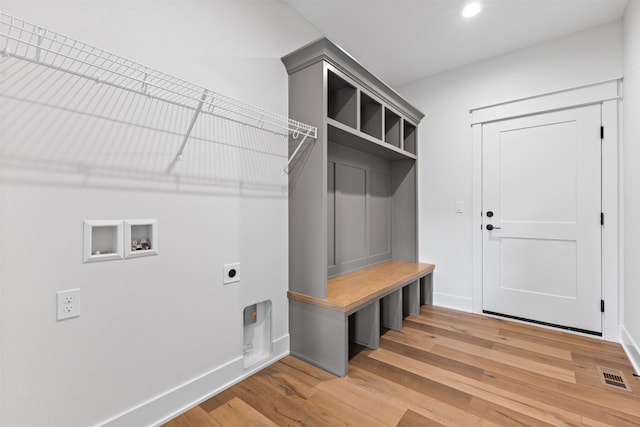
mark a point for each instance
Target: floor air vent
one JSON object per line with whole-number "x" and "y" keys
{"x": 613, "y": 378}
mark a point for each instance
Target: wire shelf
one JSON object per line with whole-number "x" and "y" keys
{"x": 28, "y": 42}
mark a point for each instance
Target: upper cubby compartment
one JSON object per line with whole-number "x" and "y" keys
{"x": 391, "y": 128}
{"x": 342, "y": 100}
{"x": 370, "y": 116}
{"x": 358, "y": 110}
{"x": 409, "y": 132}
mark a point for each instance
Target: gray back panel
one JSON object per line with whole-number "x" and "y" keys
{"x": 362, "y": 209}
{"x": 380, "y": 213}
{"x": 352, "y": 211}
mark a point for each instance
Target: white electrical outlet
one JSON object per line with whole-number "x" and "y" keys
{"x": 68, "y": 303}
{"x": 231, "y": 273}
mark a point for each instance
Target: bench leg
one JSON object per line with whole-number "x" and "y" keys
{"x": 319, "y": 336}
{"x": 392, "y": 310}
{"x": 411, "y": 298}
{"x": 426, "y": 290}
{"x": 366, "y": 325}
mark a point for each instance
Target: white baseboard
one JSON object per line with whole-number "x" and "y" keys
{"x": 172, "y": 403}
{"x": 631, "y": 348}
{"x": 452, "y": 301}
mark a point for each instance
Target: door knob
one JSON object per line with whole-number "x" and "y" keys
{"x": 491, "y": 227}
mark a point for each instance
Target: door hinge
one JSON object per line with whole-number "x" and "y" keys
{"x": 601, "y": 132}
{"x": 601, "y": 218}
{"x": 601, "y": 306}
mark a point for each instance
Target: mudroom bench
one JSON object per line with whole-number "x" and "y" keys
{"x": 357, "y": 305}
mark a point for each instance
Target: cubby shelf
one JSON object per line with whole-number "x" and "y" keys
{"x": 370, "y": 116}
{"x": 341, "y": 101}
{"x": 357, "y": 119}
{"x": 409, "y": 136}
{"x": 391, "y": 128}
{"x": 343, "y": 135}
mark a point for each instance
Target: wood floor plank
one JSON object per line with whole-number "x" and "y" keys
{"x": 576, "y": 397}
{"x": 594, "y": 404}
{"x": 565, "y": 340}
{"x": 194, "y": 417}
{"x": 416, "y": 351}
{"x": 461, "y": 345}
{"x": 445, "y": 368}
{"x": 237, "y": 413}
{"x": 492, "y": 335}
{"x": 488, "y": 410}
{"x": 368, "y": 368}
{"x": 526, "y": 405}
{"x": 314, "y": 373}
{"x": 287, "y": 383}
{"x": 219, "y": 399}
{"x": 284, "y": 410}
{"x": 350, "y": 414}
{"x": 425, "y": 405}
{"x": 373, "y": 404}
{"x": 413, "y": 419}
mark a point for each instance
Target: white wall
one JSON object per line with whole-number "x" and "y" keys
{"x": 157, "y": 327}
{"x": 631, "y": 150}
{"x": 445, "y": 161}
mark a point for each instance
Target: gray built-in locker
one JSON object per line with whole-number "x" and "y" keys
{"x": 352, "y": 191}
{"x": 352, "y": 200}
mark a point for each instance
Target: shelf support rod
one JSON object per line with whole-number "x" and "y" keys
{"x": 286, "y": 168}
{"x": 144, "y": 82}
{"x": 38, "y": 49}
{"x": 178, "y": 156}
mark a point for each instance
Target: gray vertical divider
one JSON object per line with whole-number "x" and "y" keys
{"x": 411, "y": 298}
{"x": 308, "y": 187}
{"x": 319, "y": 336}
{"x": 392, "y": 310}
{"x": 366, "y": 325}
{"x": 404, "y": 242}
{"x": 426, "y": 290}
{"x": 331, "y": 214}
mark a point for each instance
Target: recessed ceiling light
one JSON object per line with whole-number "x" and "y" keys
{"x": 471, "y": 9}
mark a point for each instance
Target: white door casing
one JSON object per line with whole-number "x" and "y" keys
{"x": 608, "y": 94}
{"x": 542, "y": 193}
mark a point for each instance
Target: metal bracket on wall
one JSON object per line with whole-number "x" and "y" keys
{"x": 178, "y": 156}
{"x": 295, "y": 152}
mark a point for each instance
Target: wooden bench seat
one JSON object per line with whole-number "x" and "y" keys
{"x": 352, "y": 290}
{"x": 357, "y": 303}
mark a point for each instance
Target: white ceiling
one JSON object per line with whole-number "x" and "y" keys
{"x": 404, "y": 40}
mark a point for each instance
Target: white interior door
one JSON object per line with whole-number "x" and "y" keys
{"x": 542, "y": 197}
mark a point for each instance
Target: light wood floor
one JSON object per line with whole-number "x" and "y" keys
{"x": 445, "y": 368}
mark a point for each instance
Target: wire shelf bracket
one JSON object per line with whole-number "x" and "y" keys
{"x": 295, "y": 152}
{"x": 178, "y": 156}
{"x": 22, "y": 40}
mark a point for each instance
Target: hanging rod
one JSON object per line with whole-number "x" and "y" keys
{"x": 22, "y": 40}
